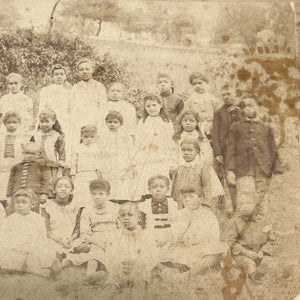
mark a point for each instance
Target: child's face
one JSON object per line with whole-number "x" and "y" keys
{"x": 189, "y": 122}
{"x": 246, "y": 209}
{"x": 30, "y": 156}
{"x": 88, "y": 138}
{"x": 12, "y": 124}
{"x": 227, "y": 97}
{"x": 158, "y": 189}
{"x": 164, "y": 84}
{"x": 199, "y": 85}
{"x": 128, "y": 217}
{"x": 85, "y": 71}
{"x": 46, "y": 124}
{"x": 191, "y": 200}
{"x": 153, "y": 108}
{"x": 188, "y": 152}
{"x": 113, "y": 124}
{"x": 251, "y": 108}
{"x": 23, "y": 205}
{"x": 59, "y": 76}
{"x": 115, "y": 93}
{"x": 14, "y": 85}
{"x": 63, "y": 190}
{"x": 99, "y": 197}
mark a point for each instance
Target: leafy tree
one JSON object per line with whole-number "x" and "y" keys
{"x": 99, "y": 11}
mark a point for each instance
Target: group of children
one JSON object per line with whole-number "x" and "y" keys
{"x": 131, "y": 200}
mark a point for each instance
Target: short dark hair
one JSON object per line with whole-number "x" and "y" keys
{"x": 197, "y": 75}
{"x": 164, "y": 178}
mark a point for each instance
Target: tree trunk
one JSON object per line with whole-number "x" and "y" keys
{"x": 51, "y": 21}
{"x": 99, "y": 27}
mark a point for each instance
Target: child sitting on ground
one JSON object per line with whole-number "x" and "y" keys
{"x": 196, "y": 245}
{"x": 191, "y": 173}
{"x": 31, "y": 174}
{"x": 116, "y": 150}
{"x": 97, "y": 225}
{"x": 85, "y": 164}
{"x": 159, "y": 210}
{"x": 52, "y": 145}
{"x": 62, "y": 215}
{"x": 23, "y": 237}
{"x": 132, "y": 255}
{"x": 250, "y": 239}
{"x": 12, "y": 138}
{"x": 17, "y": 101}
{"x": 204, "y": 103}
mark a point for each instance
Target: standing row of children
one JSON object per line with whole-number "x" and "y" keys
{"x": 95, "y": 139}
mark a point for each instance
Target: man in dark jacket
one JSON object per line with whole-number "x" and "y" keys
{"x": 252, "y": 154}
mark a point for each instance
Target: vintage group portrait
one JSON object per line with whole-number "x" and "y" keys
{"x": 149, "y": 149}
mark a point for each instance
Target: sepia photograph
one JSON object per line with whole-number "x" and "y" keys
{"x": 149, "y": 149}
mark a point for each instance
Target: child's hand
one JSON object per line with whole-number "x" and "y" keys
{"x": 251, "y": 254}
{"x": 260, "y": 254}
{"x": 219, "y": 160}
{"x": 66, "y": 243}
{"x": 72, "y": 177}
{"x": 231, "y": 178}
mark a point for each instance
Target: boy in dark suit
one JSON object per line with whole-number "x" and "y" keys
{"x": 252, "y": 154}
{"x": 224, "y": 117}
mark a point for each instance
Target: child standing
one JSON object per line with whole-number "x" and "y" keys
{"x": 97, "y": 225}
{"x": 116, "y": 102}
{"x": 132, "y": 256}
{"x": 252, "y": 154}
{"x": 202, "y": 102}
{"x": 23, "y": 237}
{"x": 116, "y": 155}
{"x": 51, "y": 143}
{"x": 85, "y": 164}
{"x": 250, "y": 239}
{"x": 155, "y": 148}
{"x": 159, "y": 209}
{"x": 11, "y": 147}
{"x": 30, "y": 174}
{"x": 224, "y": 117}
{"x": 191, "y": 173}
{"x": 62, "y": 215}
{"x": 17, "y": 101}
{"x": 56, "y": 96}
{"x": 172, "y": 103}
{"x": 89, "y": 96}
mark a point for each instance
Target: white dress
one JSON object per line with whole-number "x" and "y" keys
{"x": 85, "y": 162}
{"x": 21, "y": 104}
{"x": 24, "y": 244}
{"x": 155, "y": 152}
{"x": 116, "y": 160}
{"x": 88, "y": 102}
{"x": 196, "y": 234}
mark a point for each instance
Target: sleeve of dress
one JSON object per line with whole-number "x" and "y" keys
{"x": 171, "y": 147}
{"x": 60, "y": 148}
{"x": 267, "y": 248}
{"x": 179, "y": 106}
{"x": 85, "y": 224}
{"x": 173, "y": 187}
{"x": 276, "y": 163}
{"x": 206, "y": 183}
{"x": 215, "y": 135}
{"x": 44, "y": 187}
{"x": 74, "y": 163}
{"x": 232, "y": 237}
{"x": 132, "y": 116}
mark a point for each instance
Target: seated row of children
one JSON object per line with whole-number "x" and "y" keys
{"x": 121, "y": 243}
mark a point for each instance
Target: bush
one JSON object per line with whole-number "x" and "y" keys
{"x": 33, "y": 54}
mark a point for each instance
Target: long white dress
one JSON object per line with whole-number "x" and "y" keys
{"x": 116, "y": 150}
{"x": 24, "y": 244}
{"x": 155, "y": 152}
